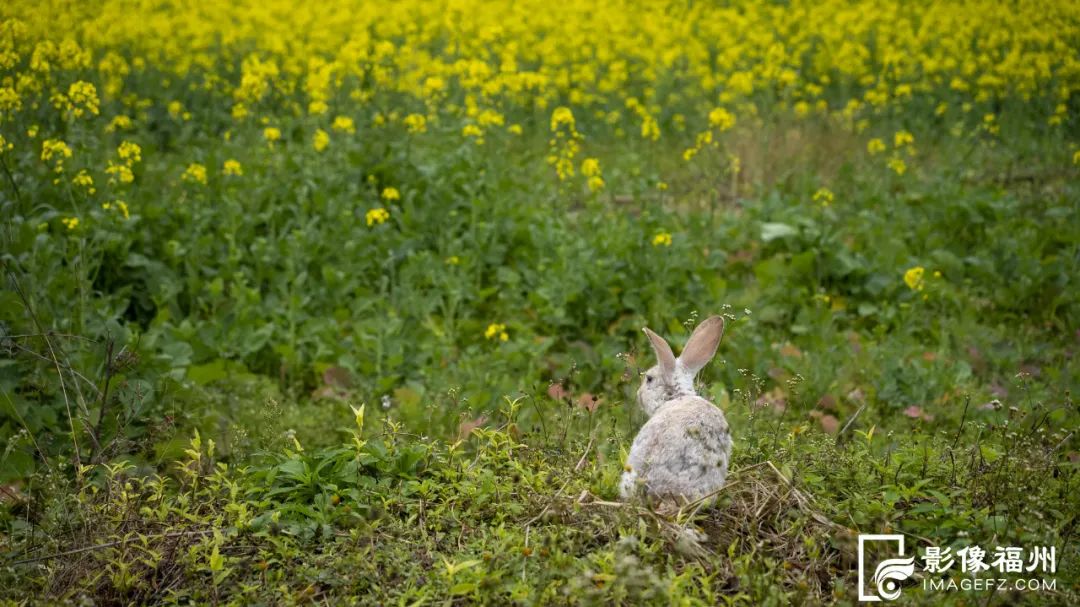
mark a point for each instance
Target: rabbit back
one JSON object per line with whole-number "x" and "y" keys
{"x": 681, "y": 453}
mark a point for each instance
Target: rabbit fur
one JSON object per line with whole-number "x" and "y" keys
{"x": 681, "y": 454}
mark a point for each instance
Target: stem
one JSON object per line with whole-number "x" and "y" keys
{"x": 56, "y": 363}
{"x": 109, "y": 545}
{"x": 104, "y": 407}
{"x": 963, "y": 418}
{"x": 11, "y": 180}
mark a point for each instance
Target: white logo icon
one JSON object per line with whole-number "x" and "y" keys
{"x": 889, "y": 574}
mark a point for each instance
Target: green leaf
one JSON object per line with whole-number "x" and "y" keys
{"x": 772, "y": 231}
{"x": 463, "y": 588}
{"x": 16, "y": 465}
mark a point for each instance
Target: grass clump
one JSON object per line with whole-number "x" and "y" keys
{"x": 499, "y": 516}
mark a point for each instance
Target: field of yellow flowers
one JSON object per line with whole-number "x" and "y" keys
{"x": 341, "y": 302}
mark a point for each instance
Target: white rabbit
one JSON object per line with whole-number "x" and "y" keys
{"x": 681, "y": 453}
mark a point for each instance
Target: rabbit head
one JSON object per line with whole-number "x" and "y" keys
{"x": 672, "y": 377}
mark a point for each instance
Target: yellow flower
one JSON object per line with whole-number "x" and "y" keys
{"x": 5, "y": 145}
{"x": 176, "y": 109}
{"x": 271, "y": 134}
{"x": 70, "y": 222}
{"x": 85, "y": 181}
{"x": 9, "y": 100}
{"x": 232, "y": 167}
{"x": 391, "y": 194}
{"x": 1059, "y": 114}
{"x": 129, "y": 152}
{"x": 321, "y": 140}
{"x": 590, "y": 167}
{"x": 490, "y": 118}
{"x": 80, "y": 99}
{"x": 120, "y": 172}
{"x": 433, "y": 85}
{"x": 913, "y": 278}
{"x": 453, "y": 260}
{"x": 376, "y": 216}
{"x": 515, "y": 129}
{"x": 56, "y": 151}
{"x": 898, "y": 165}
{"x": 51, "y": 148}
{"x": 120, "y": 205}
{"x": 721, "y": 119}
{"x": 902, "y": 138}
{"x": 471, "y": 130}
{"x": 875, "y": 146}
{"x": 416, "y": 123}
{"x": 496, "y": 331}
{"x": 317, "y": 108}
{"x": 1076, "y": 157}
{"x": 662, "y": 239}
{"x": 824, "y": 197}
{"x": 562, "y": 116}
{"x": 119, "y": 123}
{"x": 344, "y": 124}
{"x": 650, "y": 128}
{"x": 195, "y": 173}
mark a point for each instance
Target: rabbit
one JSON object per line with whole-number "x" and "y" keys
{"x": 681, "y": 454}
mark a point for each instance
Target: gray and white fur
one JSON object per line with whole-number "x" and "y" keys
{"x": 681, "y": 454}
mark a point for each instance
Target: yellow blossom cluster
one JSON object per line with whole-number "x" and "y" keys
{"x": 280, "y": 71}
{"x": 321, "y": 140}
{"x": 83, "y": 180}
{"x": 525, "y": 53}
{"x": 376, "y": 216}
{"x": 120, "y": 206}
{"x": 195, "y": 173}
{"x": 496, "y": 331}
{"x": 590, "y": 168}
{"x": 416, "y": 123}
{"x": 913, "y": 278}
{"x": 130, "y": 154}
{"x": 564, "y": 143}
{"x": 55, "y": 151}
{"x": 81, "y": 99}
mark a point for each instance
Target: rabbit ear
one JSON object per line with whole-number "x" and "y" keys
{"x": 703, "y": 343}
{"x": 664, "y": 355}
